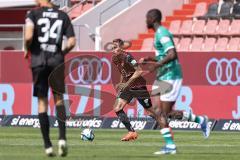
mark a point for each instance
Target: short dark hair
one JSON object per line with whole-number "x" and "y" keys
{"x": 156, "y": 14}
{"x": 119, "y": 41}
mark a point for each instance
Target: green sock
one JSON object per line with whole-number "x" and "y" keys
{"x": 167, "y": 136}
{"x": 192, "y": 117}
{"x": 199, "y": 119}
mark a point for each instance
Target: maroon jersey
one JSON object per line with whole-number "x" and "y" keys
{"x": 125, "y": 63}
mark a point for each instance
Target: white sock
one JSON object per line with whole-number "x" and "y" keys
{"x": 189, "y": 116}
{"x": 172, "y": 146}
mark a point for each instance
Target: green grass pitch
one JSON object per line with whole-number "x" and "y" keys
{"x": 26, "y": 144}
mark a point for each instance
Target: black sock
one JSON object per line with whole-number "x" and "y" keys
{"x": 124, "y": 119}
{"x": 61, "y": 118}
{"x": 44, "y": 126}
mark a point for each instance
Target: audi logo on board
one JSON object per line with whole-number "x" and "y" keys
{"x": 223, "y": 71}
{"x": 90, "y": 70}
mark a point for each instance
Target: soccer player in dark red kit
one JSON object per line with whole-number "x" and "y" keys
{"x": 132, "y": 85}
{"x": 44, "y": 31}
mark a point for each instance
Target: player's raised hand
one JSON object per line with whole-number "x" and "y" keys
{"x": 142, "y": 61}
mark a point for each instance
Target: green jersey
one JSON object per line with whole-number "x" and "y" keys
{"x": 163, "y": 42}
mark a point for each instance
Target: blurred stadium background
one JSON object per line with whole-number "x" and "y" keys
{"x": 207, "y": 37}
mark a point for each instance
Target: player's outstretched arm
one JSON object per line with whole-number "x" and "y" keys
{"x": 171, "y": 56}
{"x": 147, "y": 59}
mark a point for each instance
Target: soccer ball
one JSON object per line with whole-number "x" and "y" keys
{"x": 87, "y": 135}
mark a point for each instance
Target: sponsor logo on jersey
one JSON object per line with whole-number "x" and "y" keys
{"x": 165, "y": 40}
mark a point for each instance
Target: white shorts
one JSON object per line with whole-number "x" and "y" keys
{"x": 168, "y": 90}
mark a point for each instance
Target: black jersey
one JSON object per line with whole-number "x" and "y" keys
{"x": 50, "y": 25}
{"x": 125, "y": 63}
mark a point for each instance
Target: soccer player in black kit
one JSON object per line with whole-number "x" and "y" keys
{"x": 44, "y": 31}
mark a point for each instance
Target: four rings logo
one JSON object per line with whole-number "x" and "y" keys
{"x": 90, "y": 70}
{"x": 223, "y": 71}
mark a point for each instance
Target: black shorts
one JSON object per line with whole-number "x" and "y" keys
{"x": 45, "y": 77}
{"x": 141, "y": 94}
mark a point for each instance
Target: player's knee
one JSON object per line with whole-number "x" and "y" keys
{"x": 118, "y": 107}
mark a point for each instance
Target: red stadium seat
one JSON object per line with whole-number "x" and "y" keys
{"x": 233, "y": 44}
{"x": 147, "y": 44}
{"x": 80, "y": 9}
{"x": 75, "y": 1}
{"x": 209, "y": 44}
{"x": 234, "y": 28}
{"x": 76, "y": 11}
{"x": 186, "y": 28}
{"x": 221, "y": 44}
{"x": 223, "y": 27}
{"x": 204, "y": 25}
{"x": 200, "y": 10}
{"x": 175, "y": 26}
{"x": 198, "y": 27}
{"x": 86, "y": 7}
{"x": 196, "y": 44}
{"x": 184, "y": 44}
{"x": 210, "y": 28}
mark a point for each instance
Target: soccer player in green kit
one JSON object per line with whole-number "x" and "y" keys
{"x": 169, "y": 72}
